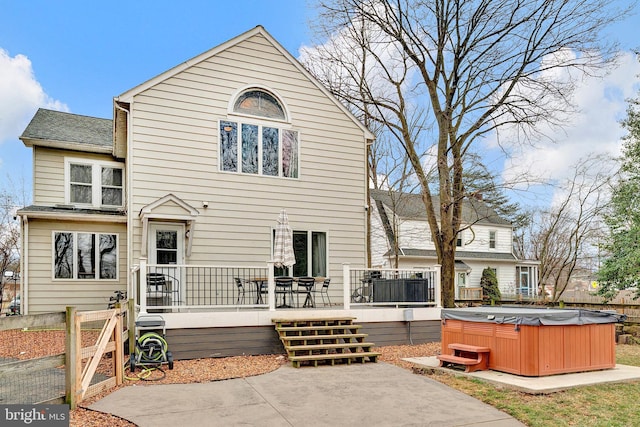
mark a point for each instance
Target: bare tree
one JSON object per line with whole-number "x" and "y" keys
{"x": 562, "y": 237}
{"x": 9, "y": 237}
{"x": 445, "y": 73}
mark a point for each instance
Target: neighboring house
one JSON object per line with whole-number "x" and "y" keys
{"x": 400, "y": 234}
{"x": 194, "y": 169}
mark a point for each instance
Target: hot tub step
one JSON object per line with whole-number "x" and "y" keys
{"x": 474, "y": 358}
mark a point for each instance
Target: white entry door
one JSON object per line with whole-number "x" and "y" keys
{"x": 166, "y": 248}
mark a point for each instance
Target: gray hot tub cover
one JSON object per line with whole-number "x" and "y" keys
{"x": 532, "y": 316}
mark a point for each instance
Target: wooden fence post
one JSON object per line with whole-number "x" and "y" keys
{"x": 71, "y": 358}
{"x": 131, "y": 325}
{"x": 119, "y": 352}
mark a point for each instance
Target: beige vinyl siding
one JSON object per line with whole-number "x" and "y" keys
{"x": 175, "y": 150}
{"x": 48, "y": 180}
{"x": 49, "y": 295}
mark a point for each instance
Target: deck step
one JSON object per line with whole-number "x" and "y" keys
{"x": 326, "y": 341}
{"x": 325, "y": 320}
{"x": 322, "y": 337}
{"x": 325, "y": 350}
{"x": 361, "y": 357}
{"x": 315, "y": 328}
{"x": 331, "y": 346}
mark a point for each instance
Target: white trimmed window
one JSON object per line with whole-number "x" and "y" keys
{"x": 492, "y": 239}
{"x": 263, "y": 144}
{"x": 93, "y": 183}
{"x": 85, "y": 256}
{"x": 258, "y": 149}
{"x": 311, "y": 252}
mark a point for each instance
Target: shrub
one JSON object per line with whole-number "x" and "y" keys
{"x": 489, "y": 283}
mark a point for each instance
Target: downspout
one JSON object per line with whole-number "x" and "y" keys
{"x": 131, "y": 291}
{"x": 24, "y": 267}
{"x": 367, "y": 205}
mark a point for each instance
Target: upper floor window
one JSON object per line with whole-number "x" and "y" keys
{"x": 258, "y": 149}
{"x": 459, "y": 243}
{"x": 93, "y": 183}
{"x": 257, "y": 102}
{"x": 492, "y": 239}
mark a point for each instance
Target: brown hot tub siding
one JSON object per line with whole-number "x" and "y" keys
{"x": 537, "y": 350}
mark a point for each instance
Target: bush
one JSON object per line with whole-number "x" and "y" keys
{"x": 489, "y": 283}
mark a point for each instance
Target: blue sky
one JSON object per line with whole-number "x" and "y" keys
{"x": 77, "y": 55}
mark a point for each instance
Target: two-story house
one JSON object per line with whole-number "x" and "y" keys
{"x": 401, "y": 238}
{"x": 185, "y": 184}
{"x": 194, "y": 168}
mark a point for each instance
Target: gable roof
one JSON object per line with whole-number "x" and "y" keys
{"x": 410, "y": 206}
{"x": 127, "y": 96}
{"x": 69, "y": 131}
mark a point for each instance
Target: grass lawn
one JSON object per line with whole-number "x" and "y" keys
{"x": 601, "y": 405}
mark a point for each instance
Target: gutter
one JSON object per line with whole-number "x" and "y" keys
{"x": 73, "y": 217}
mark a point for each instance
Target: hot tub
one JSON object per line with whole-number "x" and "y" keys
{"x": 535, "y": 341}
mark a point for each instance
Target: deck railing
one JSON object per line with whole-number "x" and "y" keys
{"x": 471, "y": 293}
{"x": 193, "y": 288}
{"x": 394, "y": 287}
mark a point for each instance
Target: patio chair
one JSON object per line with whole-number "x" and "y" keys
{"x": 305, "y": 286}
{"x": 240, "y": 286}
{"x": 262, "y": 289}
{"x": 163, "y": 288}
{"x": 284, "y": 286}
{"x": 324, "y": 291}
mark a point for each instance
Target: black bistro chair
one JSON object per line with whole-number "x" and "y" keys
{"x": 162, "y": 289}
{"x": 324, "y": 291}
{"x": 284, "y": 286}
{"x": 240, "y": 287}
{"x": 305, "y": 286}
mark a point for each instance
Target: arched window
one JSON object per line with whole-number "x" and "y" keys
{"x": 259, "y": 147}
{"x": 257, "y": 102}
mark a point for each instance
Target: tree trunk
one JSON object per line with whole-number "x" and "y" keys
{"x": 447, "y": 278}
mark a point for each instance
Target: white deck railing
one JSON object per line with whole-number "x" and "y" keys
{"x": 202, "y": 288}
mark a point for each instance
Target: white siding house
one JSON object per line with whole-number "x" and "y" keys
{"x": 400, "y": 234}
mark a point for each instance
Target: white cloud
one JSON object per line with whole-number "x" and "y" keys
{"x": 20, "y": 95}
{"x": 594, "y": 129}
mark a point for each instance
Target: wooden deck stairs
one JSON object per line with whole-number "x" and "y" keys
{"x": 335, "y": 340}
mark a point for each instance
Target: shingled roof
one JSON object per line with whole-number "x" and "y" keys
{"x": 410, "y": 206}
{"x": 460, "y": 255}
{"x": 48, "y": 127}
